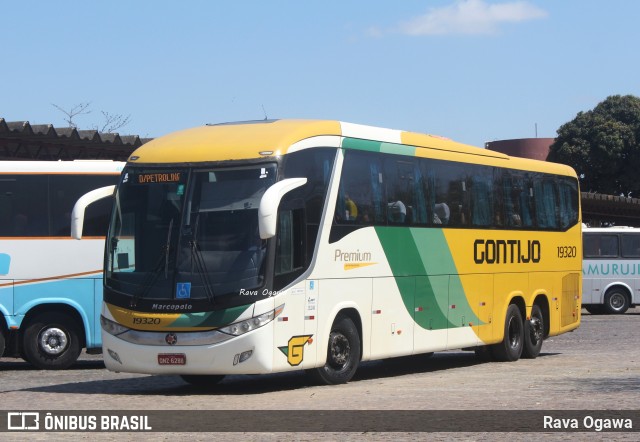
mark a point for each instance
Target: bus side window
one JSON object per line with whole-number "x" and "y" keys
{"x": 481, "y": 189}
{"x": 545, "y": 202}
{"x": 24, "y": 205}
{"x": 361, "y": 190}
{"x": 630, "y": 246}
{"x": 609, "y": 246}
{"x": 405, "y": 189}
{"x": 591, "y": 246}
{"x": 451, "y": 196}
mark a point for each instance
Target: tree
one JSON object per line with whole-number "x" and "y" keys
{"x": 603, "y": 146}
{"x": 78, "y": 109}
{"x": 112, "y": 122}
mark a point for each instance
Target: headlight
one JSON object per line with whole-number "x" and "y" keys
{"x": 242, "y": 327}
{"x": 113, "y": 328}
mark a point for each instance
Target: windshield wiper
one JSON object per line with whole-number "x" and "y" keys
{"x": 152, "y": 277}
{"x": 196, "y": 256}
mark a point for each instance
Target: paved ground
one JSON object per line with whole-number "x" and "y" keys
{"x": 596, "y": 367}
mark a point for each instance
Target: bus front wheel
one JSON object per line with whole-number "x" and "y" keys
{"x": 52, "y": 341}
{"x": 510, "y": 349}
{"x": 533, "y": 334}
{"x": 343, "y": 354}
{"x": 616, "y": 301}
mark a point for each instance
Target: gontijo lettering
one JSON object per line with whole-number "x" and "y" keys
{"x": 508, "y": 251}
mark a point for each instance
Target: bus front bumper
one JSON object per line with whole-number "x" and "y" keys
{"x": 251, "y": 353}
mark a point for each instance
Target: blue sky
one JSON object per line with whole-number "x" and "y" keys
{"x": 470, "y": 70}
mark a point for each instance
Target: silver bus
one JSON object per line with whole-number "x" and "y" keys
{"x": 610, "y": 269}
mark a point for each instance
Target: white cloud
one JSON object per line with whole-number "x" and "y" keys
{"x": 471, "y": 17}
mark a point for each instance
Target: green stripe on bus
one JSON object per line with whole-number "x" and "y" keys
{"x": 377, "y": 146}
{"x": 358, "y": 144}
{"x": 424, "y": 254}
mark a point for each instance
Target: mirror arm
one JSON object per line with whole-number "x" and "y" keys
{"x": 77, "y": 216}
{"x": 268, "y": 211}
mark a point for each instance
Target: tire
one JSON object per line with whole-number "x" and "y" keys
{"x": 343, "y": 354}
{"x": 533, "y": 334}
{"x": 616, "y": 301}
{"x": 51, "y": 341}
{"x": 202, "y": 380}
{"x": 510, "y": 349}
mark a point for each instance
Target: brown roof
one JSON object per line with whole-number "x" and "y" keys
{"x": 20, "y": 140}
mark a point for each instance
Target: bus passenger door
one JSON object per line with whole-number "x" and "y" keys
{"x": 392, "y": 320}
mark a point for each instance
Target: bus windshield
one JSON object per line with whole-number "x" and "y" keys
{"x": 183, "y": 233}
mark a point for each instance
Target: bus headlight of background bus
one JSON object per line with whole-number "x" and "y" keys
{"x": 113, "y": 328}
{"x": 242, "y": 327}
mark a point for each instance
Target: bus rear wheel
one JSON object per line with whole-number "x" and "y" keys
{"x": 616, "y": 301}
{"x": 202, "y": 380}
{"x": 510, "y": 349}
{"x": 343, "y": 354}
{"x": 52, "y": 341}
{"x": 533, "y": 334}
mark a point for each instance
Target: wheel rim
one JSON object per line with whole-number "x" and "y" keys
{"x": 53, "y": 341}
{"x": 535, "y": 330}
{"x": 617, "y": 301}
{"x": 515, "y": 334}
{"x": 339, "y": 350}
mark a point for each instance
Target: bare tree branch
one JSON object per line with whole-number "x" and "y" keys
{"x": 113, "y": 122}
{"x": 78, "y": 109}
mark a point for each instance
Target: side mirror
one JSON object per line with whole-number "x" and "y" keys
{"x": 268, "y": 210}
{"x": 77, "y": 216}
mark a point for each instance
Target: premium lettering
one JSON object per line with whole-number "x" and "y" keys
{"x": 356, "y": 256}
{"x": 510, "y": 251}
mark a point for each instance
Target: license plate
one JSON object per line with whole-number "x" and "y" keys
{"x": 172, "y": 359}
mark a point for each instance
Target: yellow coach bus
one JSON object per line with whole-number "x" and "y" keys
{"x": 271, "y": 246}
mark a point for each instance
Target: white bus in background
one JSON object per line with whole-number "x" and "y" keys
{"x": 611, "y": 269}
{"x": 51, "y": 285}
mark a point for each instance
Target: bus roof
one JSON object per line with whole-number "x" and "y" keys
{"x": 615, "y": 229}
{"x": 259, "y": 139}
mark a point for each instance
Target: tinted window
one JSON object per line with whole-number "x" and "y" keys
{"x": 406, "y": 190}
{"x": 425, "y": 192}
{"x": 24, "y": 205}
{"x": 41, "y": 205}
{"x": 65, "y": 191}
{"x": 546, "y": 203}
{"x": 300, "y": 211}
{"x": 361, "y": 198}
{"x": 597, "y": 246}
{"x": 630, "y": 246}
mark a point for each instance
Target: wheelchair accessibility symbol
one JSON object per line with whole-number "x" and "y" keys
{"x": 183, "y": 290}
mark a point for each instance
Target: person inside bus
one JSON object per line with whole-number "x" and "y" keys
{"x": 441, "y": 213}
{"x": 397, "y": 211}
{"x": 351, "y": 210}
